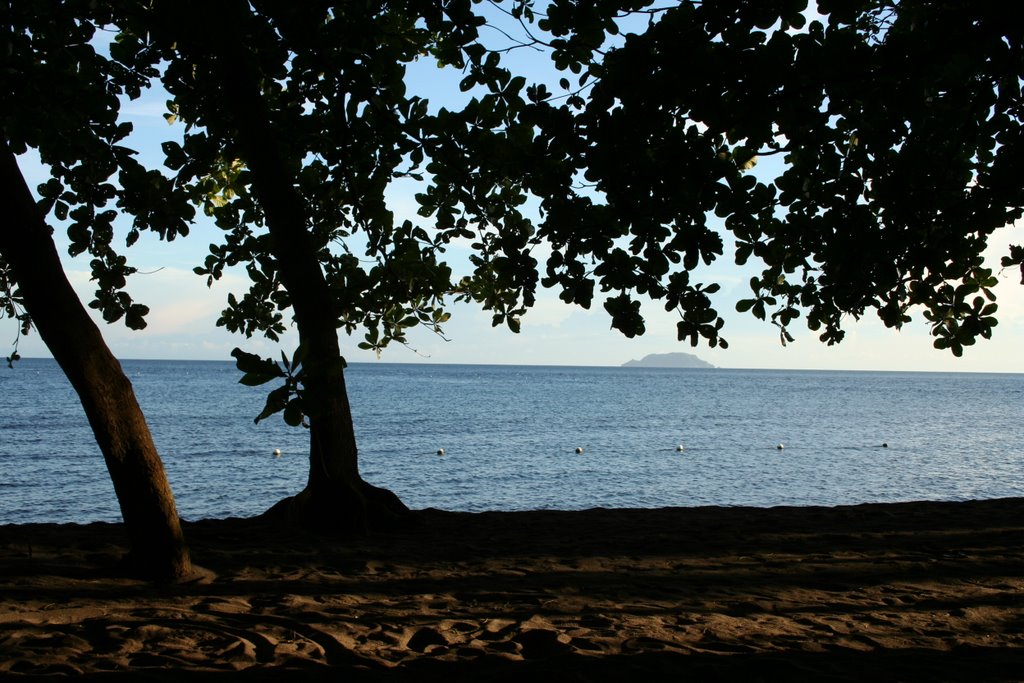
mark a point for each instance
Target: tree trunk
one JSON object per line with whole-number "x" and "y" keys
{"x": 158, "y": 547}
{"x": 336, "y": 498}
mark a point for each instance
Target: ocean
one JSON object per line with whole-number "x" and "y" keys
{"x": 510, "y": 436}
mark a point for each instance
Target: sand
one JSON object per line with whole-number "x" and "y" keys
{"x": 917, "y": 591}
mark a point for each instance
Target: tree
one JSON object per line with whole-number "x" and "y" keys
{"x": 51, "y": 59}
{"x": 248, "y": 162}
{"x": 299, "y": 117}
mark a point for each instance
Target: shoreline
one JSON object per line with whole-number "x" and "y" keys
{"x": 892, "y": 591}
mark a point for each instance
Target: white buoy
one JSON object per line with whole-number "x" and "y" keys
{"x": 679, "y": 448}
{"x": 277, "y": 452}
{"x": 781, "y": 446}
{"x": 579, "y": 449}
{"x": 440, "y": 451}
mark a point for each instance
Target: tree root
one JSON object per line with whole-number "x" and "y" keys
{"x": 343, "y": 509}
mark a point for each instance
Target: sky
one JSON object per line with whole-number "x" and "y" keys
{"x": 184, "y": 311}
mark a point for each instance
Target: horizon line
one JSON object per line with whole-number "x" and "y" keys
{"x": 622, "y": 366}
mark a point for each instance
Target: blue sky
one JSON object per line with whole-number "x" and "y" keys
{"x": 183, "y": 310}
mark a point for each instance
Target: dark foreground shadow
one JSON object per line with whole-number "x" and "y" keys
{"x": 950, "y": 570}
{"x": 958, "y": 664}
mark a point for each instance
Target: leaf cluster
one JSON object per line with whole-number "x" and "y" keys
{"x": 288, "y": 398}
{"x": 895, "y": 124}
{"x": 62, "y": 97}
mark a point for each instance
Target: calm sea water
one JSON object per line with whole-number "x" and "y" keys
{"x": 510, "y": 435}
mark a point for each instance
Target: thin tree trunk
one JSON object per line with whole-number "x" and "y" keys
{"x": 158, "y": 547}
{"x": 336, "y": 498}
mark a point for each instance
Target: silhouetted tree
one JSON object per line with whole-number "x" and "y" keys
{"x": 895, "y": 126}
{"x": 895, "y": 169}
{"x": 60, "y": 97}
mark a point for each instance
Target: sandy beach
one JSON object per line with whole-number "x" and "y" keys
{"x": 916, "y": 591}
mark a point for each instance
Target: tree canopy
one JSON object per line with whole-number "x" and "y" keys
{"x": 62, "y": 98}
{"x": 896, "y": 125}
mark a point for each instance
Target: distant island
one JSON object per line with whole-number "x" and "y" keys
{"x": 668, "y": 360}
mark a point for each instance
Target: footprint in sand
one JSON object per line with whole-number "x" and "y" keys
{"x": 542, "y": 643}
{"x": 426, "y": 639}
